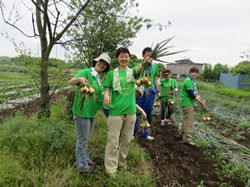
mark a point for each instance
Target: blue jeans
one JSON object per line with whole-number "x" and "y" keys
{"x": 84, "y": 128}
{"x": 146, "y": 103}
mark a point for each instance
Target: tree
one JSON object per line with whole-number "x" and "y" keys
{"x": 103, "y": 27}
{"x": 218, "y": 68}
{"x": 241, "y": 68}
{"x": 161, "y": 67}
{"x": 207, "y": 72}
{"x": 47, "y": 19}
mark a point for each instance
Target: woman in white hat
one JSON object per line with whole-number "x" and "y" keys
{"x": 85, "y": 108}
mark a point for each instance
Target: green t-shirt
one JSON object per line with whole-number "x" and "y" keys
{"x": 155, "y": 72}
{"x": 90, "y": 104}
{"x": 122, "y": 103}
{"x": 166, "y": 86}
{"x": 185, "y": 99}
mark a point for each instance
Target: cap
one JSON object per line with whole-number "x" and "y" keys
{"x": 105, "y": 57}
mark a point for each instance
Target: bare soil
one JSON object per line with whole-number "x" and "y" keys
{"x": 178, "y": 164}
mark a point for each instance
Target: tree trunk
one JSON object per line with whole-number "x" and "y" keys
{"x": 44, "y": 90}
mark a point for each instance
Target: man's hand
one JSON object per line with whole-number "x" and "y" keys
{"x": 149, "y": 60}
{"x": 158, "y": 94}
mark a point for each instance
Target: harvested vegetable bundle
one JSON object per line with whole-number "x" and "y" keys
{"x": 160, "y": 50}
{"x": 204, "y": 115}
{"x": 157, "y": 104}
{"x": 87, "y": 89}
{"x": 144, "y": 123}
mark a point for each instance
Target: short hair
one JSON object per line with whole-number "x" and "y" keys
{"x": 107, "y": 68}
{"x": 122, "y": 50}
{"x": 194, "y": 70}
{"x": 166, "y": 71}
{"x": 147, "y": 49}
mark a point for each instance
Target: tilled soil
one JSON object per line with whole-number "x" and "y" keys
{"x": 177, "y": 164}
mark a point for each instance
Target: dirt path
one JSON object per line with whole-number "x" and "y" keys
{"x": 177, "y": 164}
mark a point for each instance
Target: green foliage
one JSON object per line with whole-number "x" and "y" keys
{"x": 207, "y": 72}
{"x": 223, "y": 90}
{"x": 162, "y": 49}
{"x": 103, "y": 27}
{"x": 213, "y": 74}
{"x": 161, "y": 67}
{"x": 242, "y": 68}
{"x": 42, "y": 153}
{"x": 219, "y": 68}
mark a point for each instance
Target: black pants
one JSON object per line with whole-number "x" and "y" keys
{"x": 164, "y": 106}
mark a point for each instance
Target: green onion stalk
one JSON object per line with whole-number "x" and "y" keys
{"x": 160, "y": 50}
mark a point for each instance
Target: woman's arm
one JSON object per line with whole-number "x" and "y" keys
{"x": 80, "y": 80}
{"x": 107, "y": 100}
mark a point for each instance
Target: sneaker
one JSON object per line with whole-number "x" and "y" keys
{"x": 169, "y": 122}
{"x": 162, "y": 122}
{"x": 91, "y": 163}
{"x": 150, "y": 138}
{"x": 86, "y": 170}
{"x": 190, "y": 143}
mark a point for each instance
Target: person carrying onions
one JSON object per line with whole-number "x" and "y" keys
{"x": 147, "y": 100}
{"x": 189, "y": 94}
{"x": 89, "y": 88}
{"x": 168, "y": 88}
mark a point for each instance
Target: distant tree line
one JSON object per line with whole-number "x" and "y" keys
{"x": 213, "y": 73}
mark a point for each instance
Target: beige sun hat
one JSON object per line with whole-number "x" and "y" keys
{"x": 105, "y": 57}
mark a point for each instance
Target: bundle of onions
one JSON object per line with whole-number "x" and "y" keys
{"x": 157, "y": 104}
{"x": 204, "y": 115}
{"x": 87, "y": 89}
{"x": 144, "y": 123}
{"x": 171, "y": 102}
{"x": 160, "y": 50}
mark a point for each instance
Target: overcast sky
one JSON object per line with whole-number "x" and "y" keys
{"x": 213, "y": 30}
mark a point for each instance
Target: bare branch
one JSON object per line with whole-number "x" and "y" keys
{"x": 59, "y": 83}
{"x": 47, "y": 20}
{"x": 71, "y": 21}
{"x": 13, "y": 24}
{"x": 33, "y": 24}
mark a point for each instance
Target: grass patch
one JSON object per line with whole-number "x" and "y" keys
{"x": 42, "y": 153}
{"x": 223, "y": 90}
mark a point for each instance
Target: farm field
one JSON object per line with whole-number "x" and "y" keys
{"x": 221, "y": 156}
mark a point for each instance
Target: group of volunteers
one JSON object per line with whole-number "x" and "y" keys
{"x": 122, "y": 104}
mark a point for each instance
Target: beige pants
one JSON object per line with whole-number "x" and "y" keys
{"x": 188, "y": 123}
{"x": 120, "y": 132}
